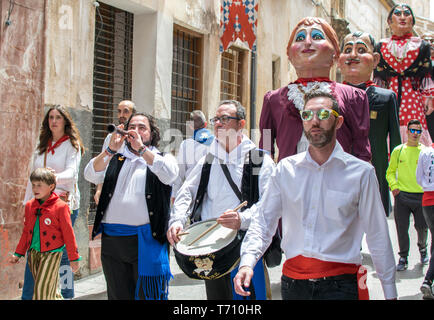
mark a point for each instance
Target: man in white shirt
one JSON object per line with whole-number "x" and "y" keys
{"x": 133, "y": 211}
{"x": 327, "y": 200}
{"x": 230, "y": 147}
{"x": 191, "y": 150}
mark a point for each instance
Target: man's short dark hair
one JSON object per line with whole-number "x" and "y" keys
{"x": 321, "y": 94}
{"x": 155, "y": 131}
{"x": 241, "y": 111}
{"x": 414, "y": 121}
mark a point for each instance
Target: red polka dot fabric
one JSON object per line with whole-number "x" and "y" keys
{"x": 411, "y": 100}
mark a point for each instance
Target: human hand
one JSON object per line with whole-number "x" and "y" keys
{"x": 242, "y": 280}
{"x": 13, "y": 259}
{"x": 135, "y": 140}
{"x": 116, "y": 139}
{"x": 230, "y": 219}
{"x": 172, "y": 234}
{"x": 395, "y": 192}
{"x": 96, "y": 196}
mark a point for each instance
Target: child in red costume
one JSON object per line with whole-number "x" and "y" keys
{"x": 47, "y": 228}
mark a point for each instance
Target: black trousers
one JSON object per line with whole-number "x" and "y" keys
{"x": 342, "y": 288}
{"x": 119, "y": 258}
{"x": 405, "y": 204}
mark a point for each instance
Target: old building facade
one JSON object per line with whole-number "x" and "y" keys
{"x": 164, "y": 55}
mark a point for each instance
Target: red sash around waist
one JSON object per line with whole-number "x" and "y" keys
{"x": 303, "y": 268}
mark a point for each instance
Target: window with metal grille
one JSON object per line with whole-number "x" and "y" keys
{"x": 112, "y": 74}
{"x": 231, "y": 67}
{"x": 185, "y": 78}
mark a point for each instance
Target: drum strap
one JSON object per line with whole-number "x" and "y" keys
{"x": 231, "y": 181}
{"x": 249, "y": 186}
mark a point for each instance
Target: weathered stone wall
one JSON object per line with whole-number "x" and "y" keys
{"x": 21, "y": 106}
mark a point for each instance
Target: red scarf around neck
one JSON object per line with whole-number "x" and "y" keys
{"x": 304, "y": 81}
{"x": 404, "y": 37}
{"x": 51, "y": 147}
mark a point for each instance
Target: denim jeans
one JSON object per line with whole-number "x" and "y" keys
{"x": 68, "y": 283}
{"x": 342, "y": 289}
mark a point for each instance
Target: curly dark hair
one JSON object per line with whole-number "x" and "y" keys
{"x": 155, "y": 131}
{"x": 70, "y": 130}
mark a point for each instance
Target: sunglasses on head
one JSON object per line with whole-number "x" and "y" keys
{"x": 322, "y": 114}
{"x": 418, "y": 131}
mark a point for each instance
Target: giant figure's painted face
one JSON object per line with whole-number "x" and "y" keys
{"x": 311, "y": 48}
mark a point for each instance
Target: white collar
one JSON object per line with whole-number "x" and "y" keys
{"x": 338, "y": 153}
{"x": 237, "y": 153}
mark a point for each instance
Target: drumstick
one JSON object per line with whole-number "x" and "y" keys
{"x": 216, "y": 224}
{"x": 182, "y": 234}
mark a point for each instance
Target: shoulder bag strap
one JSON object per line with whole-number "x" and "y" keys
{"x": 231, "y": 182}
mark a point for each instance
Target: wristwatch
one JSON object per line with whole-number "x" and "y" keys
{"x": 141, "y": 151}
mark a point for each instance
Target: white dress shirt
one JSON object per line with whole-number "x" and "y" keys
{"x": 425, "y": 169}
{"x": 128, "y": 203}
{"x": 219, "y": 196}
{"x": 325, "y": 212}
{"x": 66, "y": 162}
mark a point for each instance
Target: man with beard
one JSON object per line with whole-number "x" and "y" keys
{"x": 126, "y": 108}
{"x": 327, "y": 200}
{"x": 357, "y": 62}
{"x": 133, "y": 211}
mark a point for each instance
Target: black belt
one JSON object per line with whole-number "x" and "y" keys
{"x": 331, "y": 278}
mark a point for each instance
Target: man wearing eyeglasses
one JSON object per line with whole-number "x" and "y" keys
{"x": 401, "y": 176}
{"x": 209, "y": 192}
{"x": 327, "y": 200}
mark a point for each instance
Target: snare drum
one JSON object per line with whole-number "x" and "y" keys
{"x": 214, "y": 255}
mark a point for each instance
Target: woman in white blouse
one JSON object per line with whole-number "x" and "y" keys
{"x": 59, "y": 149}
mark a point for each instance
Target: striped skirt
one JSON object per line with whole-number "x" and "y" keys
{"x": 45, "y": 269}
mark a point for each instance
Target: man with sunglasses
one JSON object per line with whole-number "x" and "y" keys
{"x": 233, "y": 171}
{"x": 327, "y": 200}
{"x": 401, "y": 176}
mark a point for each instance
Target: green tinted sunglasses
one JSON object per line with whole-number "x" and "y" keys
{"x": 322, "y": 114}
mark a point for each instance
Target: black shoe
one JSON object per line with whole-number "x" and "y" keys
{"x": 426, "y": 289}
{"x": 402, "y": 264}
{"x": 424, "y": 257}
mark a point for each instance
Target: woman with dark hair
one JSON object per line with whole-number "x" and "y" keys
{"x": 60, "y": 150}
{"x": 405, "y": 67}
